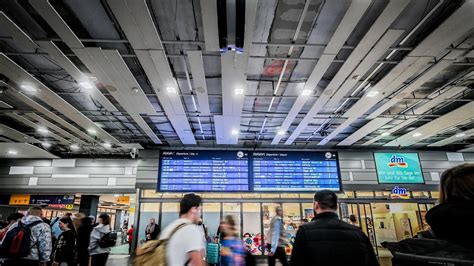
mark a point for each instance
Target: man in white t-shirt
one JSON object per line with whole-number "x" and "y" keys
{"x": 186, "y": 245}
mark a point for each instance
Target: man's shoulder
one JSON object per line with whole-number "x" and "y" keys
{"x": 329, "y": 224}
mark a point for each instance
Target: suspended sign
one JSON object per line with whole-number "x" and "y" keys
{"x": 61, "y": 206}
{"x": 123, "y": 199}
{"x": 52, "y": 199}
{"x": 19, "y": 199}
{"x": 399, "y": 193}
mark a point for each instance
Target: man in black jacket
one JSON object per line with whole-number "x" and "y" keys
{"x": 326, "y": 240}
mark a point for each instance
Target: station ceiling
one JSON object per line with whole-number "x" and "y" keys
{"x": 104, "y": 77}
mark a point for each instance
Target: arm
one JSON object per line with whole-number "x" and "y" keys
{"x": 275, "y": 234}
{"x": 95, "y": 236}
{"x": 44, "y": 242}
{"x": 297, "y": 255}
{"x": 195, "y": 258}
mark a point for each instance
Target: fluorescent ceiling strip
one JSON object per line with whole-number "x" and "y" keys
{"x": 352, "y": 16}
{"x": 35, "y": 126}
{"x": 18, "y": 35}
{"x": 5, "y": 105}
{"x": 38, "y": 107}
{"x": 62, "y": 60}
{"x": 444, "y": 122}
{"x": 199, "y": 80}
{"x": 210, "y": 24}
{"x": 337, "y": 131}
{"x": 16, "y": 135}
{"x": 55, "y": 128}
{"x": 364, "y": 131}
{"x": 391, "y": 130}
{"x": 48, "y": 13}
{"x": 21, "y": 76}
{"x": 456, "y": 137}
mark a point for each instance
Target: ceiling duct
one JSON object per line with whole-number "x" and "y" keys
{"x": 16, "y": 135}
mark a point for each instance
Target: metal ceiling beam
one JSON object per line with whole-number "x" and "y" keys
{"x": 456, "y": 137}
{"x": 16, "y": 135}
{"x": 352, "y": 16}
{"x": 199, "y": 80}
{"x": 16, "y": 33}
{"x": 210, "y": 24}
{"x": 364, "y": 131}
{"x": 136, "y": 21}
{"x": 391, "y": 131}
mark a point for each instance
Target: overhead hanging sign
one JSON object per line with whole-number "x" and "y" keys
{"x": 123, "y": 199}
{"x": 20, "y": 199}
{"x": 52, "y": 199}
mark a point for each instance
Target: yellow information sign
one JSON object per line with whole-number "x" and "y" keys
{"x": 19, "y": 199}
{"x": 123, "y": 199}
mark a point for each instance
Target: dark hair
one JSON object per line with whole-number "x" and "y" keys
{"x": 105, "y": 218}
{"x": 457, "y": 184}
{"x": 326, "y": 199}
{"x": 188, "y": 201}
{"x": 68, "y": 221}
{"x": 352, "y": 218}
{"x": 35, "y": 210}
{"x": 14, "y": 216}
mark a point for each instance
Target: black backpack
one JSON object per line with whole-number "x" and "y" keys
{"x": 108, "y": 240}
{"x": 17, "y": 242}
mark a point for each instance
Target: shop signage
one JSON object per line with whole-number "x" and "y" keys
{"x": 399, "y": 193}
{"x": 52, "y": 199}
{"x": 123, "y": 199}
{"x": 19, "y": 199}
{"x": 61, "y": 206}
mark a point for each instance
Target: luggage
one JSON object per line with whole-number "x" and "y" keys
{"x": 17, "y": 242}
{"x": 212, "y": 255}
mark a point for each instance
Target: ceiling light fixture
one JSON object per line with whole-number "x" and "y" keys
{"x": 306, "y": 92}
{"x": 371, "y": 94}
{"x": 460, "y": 135}
{"x": 12, "y": 152}
{"x": 385, "y": 134}
{"x": 86, "y": 85}
{"x": 46, "y": 145}
{"x": 235, "y": 132}
{"x": 92, "y": 131}
{"x": 281, "y": 132}
{"x": 239, "y": 91}
{"x": 171, "y": 90}
{"x": 74, "y": 147}
{"x": 417, "y": 134}
{"x": 107, "y": 145}
{"x": 43, "y": 130}
{"x": 28, "y": 88}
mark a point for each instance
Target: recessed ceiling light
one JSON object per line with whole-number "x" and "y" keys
{"x": 239, "y": 91}
{"x": 28, "y": 88}
{"x": 86, "y": 85}
{"x": 460, "y": 135}
{"x": 43, "y": 130}
{"x": 46, "y": 145}
{"x": 385, "y": 134}
{"x": 116, "y": 195}
{"x": 417, "y": 134}
{"x": 171, "y": 90}
{"x": 371, "y": 94}
{"x": 12, "y": 152}
{"x": 92, "y": 131}
{"x": 281, "y": 132}
{"x": 107, "y": 145}
{"x": 235, "y": 132}
{"x": 306, "y": 92}
{"x": 74, "y": 147}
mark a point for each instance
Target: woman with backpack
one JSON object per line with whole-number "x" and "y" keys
{"x": 65, "y": 247}
{"x": 99, "y": 246}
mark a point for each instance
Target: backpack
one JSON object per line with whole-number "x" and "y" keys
{"x": 153, "y": 253}
{"x": 108, "y": 240}
{"x": 17, "y": 242}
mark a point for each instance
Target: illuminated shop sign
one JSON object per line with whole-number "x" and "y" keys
{"x": 399, "y": 193}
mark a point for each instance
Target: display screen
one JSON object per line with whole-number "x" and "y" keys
{"x": 295, "y": 171}
{"x": 203, "y": 171}
{"x": 398, "y": 168}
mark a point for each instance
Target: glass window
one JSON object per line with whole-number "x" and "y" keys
{"x": 147, "y": 211}
{"x": 420, "y": 194}
{"x": 169, "y": 213}
{"x": 365, "y": 194}
{"x": 211, "y": 216}
{"x": 151, "y": 193}
{"x": 268, "y": 210}
{"x": 435, "y": 195}
{"x": 292, "y": 220}
{"x": 252, "y": 236}
{"x": 308, "y": 212}
{"x": 234, "y": 210}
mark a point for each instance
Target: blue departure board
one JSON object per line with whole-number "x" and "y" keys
{"x": 295, "y": 171}
{"x": 203, "y": 171}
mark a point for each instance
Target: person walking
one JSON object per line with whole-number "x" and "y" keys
{"x": 185, "y": 245}
{"x": 83, "y": 238}
{"x": 39, "y": 239}
{"x": 327, "y": 240}
{"x": 65, "y": 246}
{"x": 11, "y": 219}
{"x": 152, "y": 231}
{"x": 232, "y": 248}
{"x": 279, "y": 239}
{"x": 99, "y": 254}
{"x": 130, "y": 238}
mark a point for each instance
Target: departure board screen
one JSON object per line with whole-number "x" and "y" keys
{"x": 295, "y": 171}
{"x": 203, "y": 171}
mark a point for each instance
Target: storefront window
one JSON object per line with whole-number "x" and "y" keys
{"x": 211, "y": 216}
{"x": 308, "y": 212}
{"x": 252, "y": 236}
{"x": 435, "y": 195}
{"x": 364, "y": 194}
{"x": 148, "y": 211}
{"x": 382, "y": 194}
{"x": 234, "y": 210}
{"x": 169, "y": 213}
{"x": 421, "y": 194}
{"x": 292, "y": 220}
{"x": 151, "y": 193}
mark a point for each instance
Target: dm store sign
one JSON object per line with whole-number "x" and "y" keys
{"x": 403, "y": 168}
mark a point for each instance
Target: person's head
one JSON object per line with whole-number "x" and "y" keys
{"x": 92, "y": 218}
{"x": 131, "y": 226}
{"x": 104, "y": 219}
{"x": 65, "y": 223}
{"x": 457, "y": 184}
{"x": 68, "y": 214}
{"x": 86, "y": 221}
{"x": 77, "y": 218}
{"x": 279, "y": 211}
{"x": 14, "y": 217}
{"x": 228, "y": 226}
{"x": 190, "y": 207}
{"x": 352, "y": 218}
{"x": 35, "y": 211}
{"x": 152, "y": 220}
{"x": 325, "y": 201}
